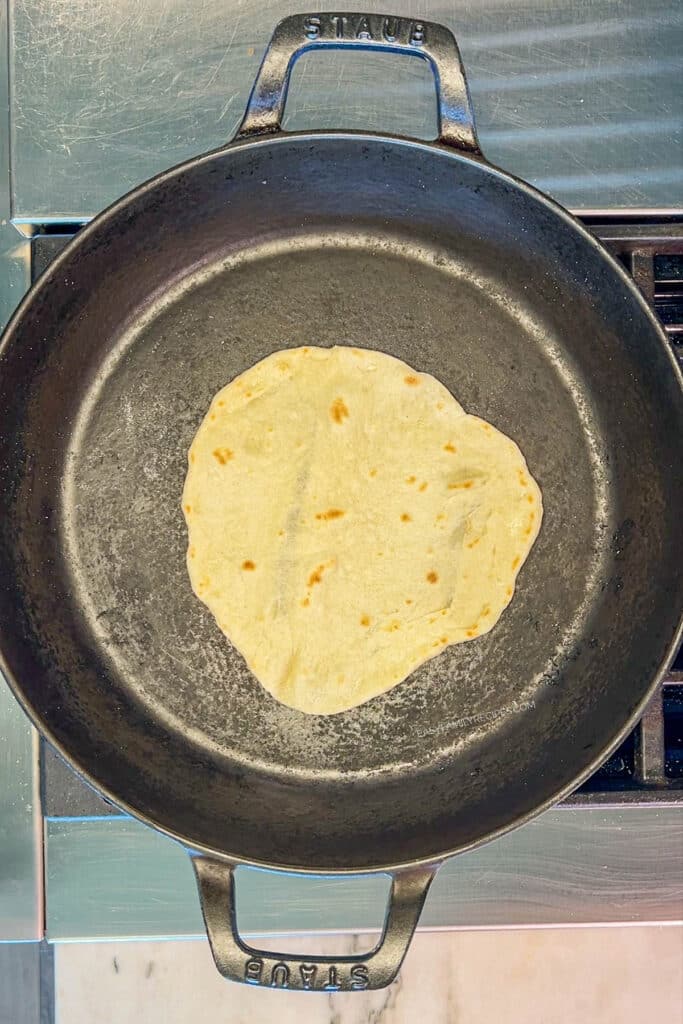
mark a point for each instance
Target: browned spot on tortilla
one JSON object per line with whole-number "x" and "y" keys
{"x": 530, "y": 498}
{"x": 515, "y": 562}
{"x": 192, "y": 457}
{"x": 248, "y": 394}
{"x": 527, "y": 532}
{"x": 486, "y": 610}
{"x": 473, "y": 543}
{"x": 472, "y": 632}
{"x": 405, "y": 518}
{"x": 306, "y": 601}
{"x": 439, "y": 406}
{"x": 188, "y": 508}
{"x": 280, "y": 533}
{"x": 332, "y": 513}
{"x": 393, "y": 626}
{"x": 444, "y": 639}
{"x": 316, "y": 576}
{"x": 338, "y": 410}
{"x": 212, "y": 416}
{"x": 522, "y": 479}
{"x": 365, "y": 620}
{"x": 373, "y": 472}
{"x": 508, "y": 592}
{"x": 220, "y": 403}
{"x": 449, "y": 447}
{"x": 411, "y": 380}
{"x": 249, "y": 566}
{"x": 411, "y": 479}
{"x": 222, "y": 455}
{"x": 306, "y": 349}
{"x": 358, "y": 352}
{"x": 409, "y": 600}
{"x": 282, "y": 365}
{"x": 463, "y": 485}
{"x": 192, "y": 552}
{"x": 423, "y": 486}
{"x": 432, "y": 577}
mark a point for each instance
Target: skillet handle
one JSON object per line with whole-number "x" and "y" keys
{"x": 237, "y": 961}
{"x": 301, "y": 32}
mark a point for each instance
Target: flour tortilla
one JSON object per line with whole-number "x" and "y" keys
{"x": 348, "y": 520}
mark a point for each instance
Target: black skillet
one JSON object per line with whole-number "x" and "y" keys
{"x": 428, "y": 252}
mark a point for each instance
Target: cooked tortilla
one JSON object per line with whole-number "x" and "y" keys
{"x": 348, "y": 520}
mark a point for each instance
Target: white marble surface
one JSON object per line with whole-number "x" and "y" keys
{"x": 553, "y": 976}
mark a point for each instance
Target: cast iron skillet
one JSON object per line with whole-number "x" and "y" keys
{"x": 427, "y": 252}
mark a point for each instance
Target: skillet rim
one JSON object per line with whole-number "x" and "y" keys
{"x": 147, "y": 188}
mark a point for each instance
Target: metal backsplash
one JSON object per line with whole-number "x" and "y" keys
{"x": 582, "y": 99}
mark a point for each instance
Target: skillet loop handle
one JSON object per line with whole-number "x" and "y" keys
{"x": 237, "y": 961}
{"x": 301, "y": 32}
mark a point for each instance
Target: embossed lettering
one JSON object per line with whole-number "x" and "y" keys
{"x": 312, "y": 27}
{"x": 339, "y": 22}
{"x": 363, "y": 30}
{"x": 252, "y": 971}
{"x": 332, "y": 984}
{"x": 280, "y": 976}
{"x": 390, "y": 29}
{"x": 418, "y": 36}
{"x": 359, "y": 976}
{"x": 308, "y": 972}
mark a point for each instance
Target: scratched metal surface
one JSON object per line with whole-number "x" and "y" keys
{"x": 114, "y": 878}
{"x": 583, "y": 99}
{"x": 21, "y": 851}
{"x": 21, "y": 888}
